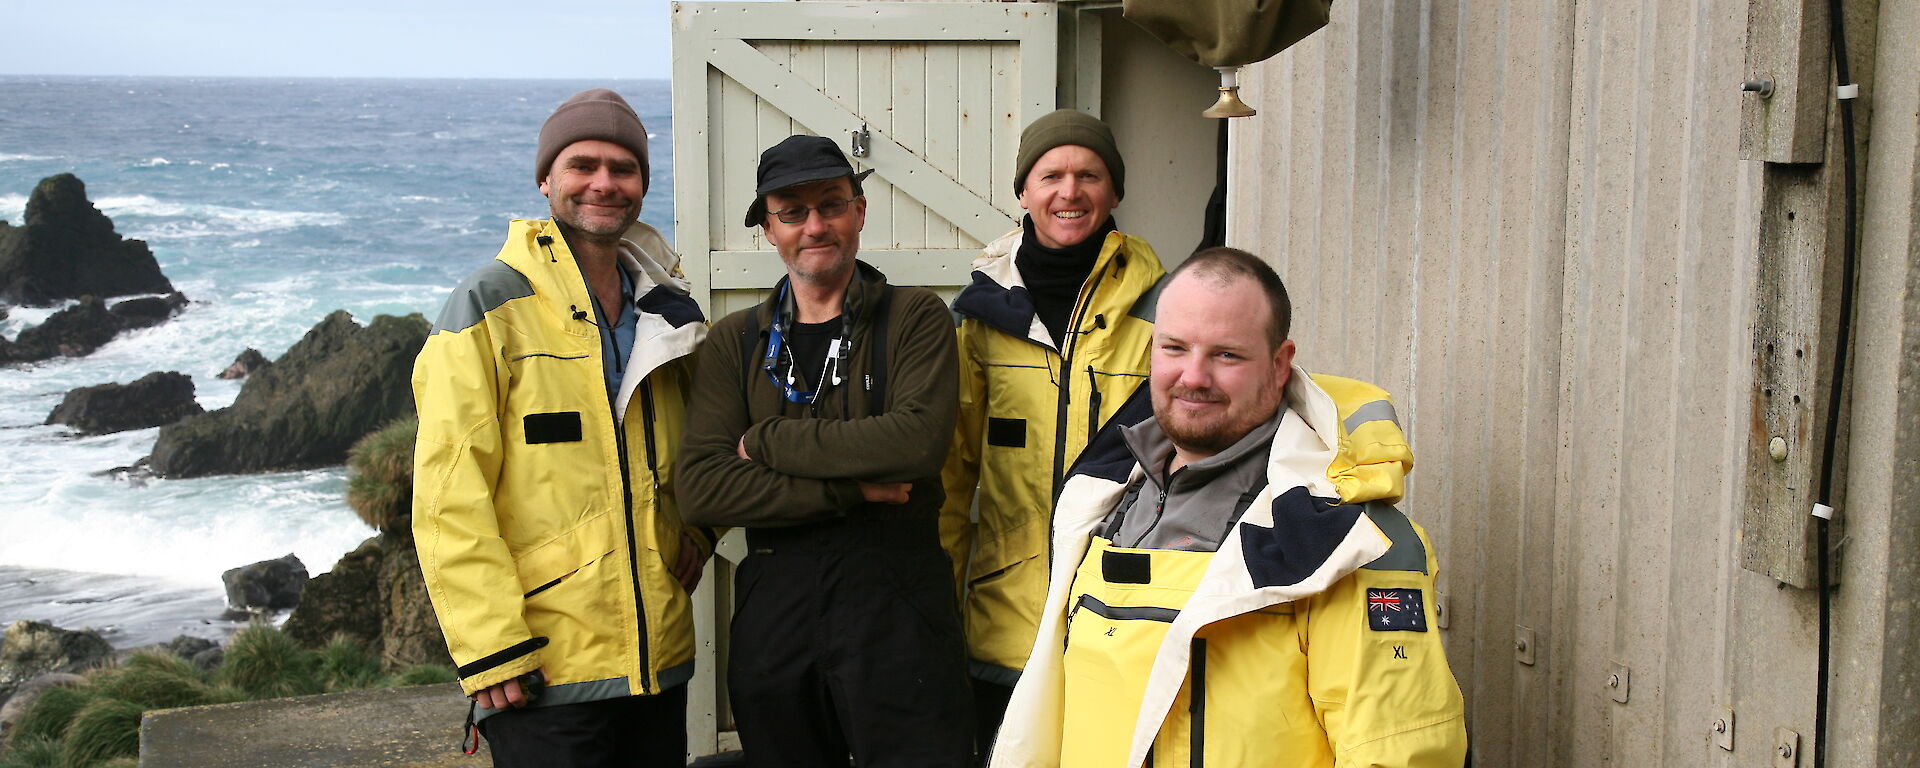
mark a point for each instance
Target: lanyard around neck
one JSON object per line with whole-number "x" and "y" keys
{"x": 779, "y": 353}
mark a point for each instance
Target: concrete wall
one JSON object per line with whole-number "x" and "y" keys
{"x": 1530, "y": 221}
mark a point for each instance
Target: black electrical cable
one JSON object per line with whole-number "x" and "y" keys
{"x": 1848, "y": 256}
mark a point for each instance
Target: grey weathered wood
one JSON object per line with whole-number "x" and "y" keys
{"x": 1786, "y": 45}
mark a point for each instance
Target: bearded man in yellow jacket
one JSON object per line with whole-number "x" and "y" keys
{"x": 1231, "y": 585}
{"x": 550, "y": 394}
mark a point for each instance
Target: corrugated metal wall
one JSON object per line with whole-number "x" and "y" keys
{"x": 1531, "y": 223}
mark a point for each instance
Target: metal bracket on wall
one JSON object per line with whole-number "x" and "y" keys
{"x": 1619, "y": 681}
{"x": 1523, "y": 644}
{"x": 1723, "y": 730}
{"x": 1441, "y": 610}
{"x": 1783, "y": 112}
{"x": 1786, "y": 748}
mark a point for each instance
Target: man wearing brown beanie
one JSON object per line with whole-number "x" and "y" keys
{"x": 550, "y": 395}
{"x": 1053, "y": 338}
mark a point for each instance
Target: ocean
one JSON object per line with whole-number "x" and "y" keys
{"x": 269, "y": 203}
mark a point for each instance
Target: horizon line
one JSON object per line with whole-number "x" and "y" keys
{"x": 321, "y": 77}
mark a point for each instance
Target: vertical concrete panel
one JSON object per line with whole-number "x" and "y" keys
{"x": 1549, "y": 198}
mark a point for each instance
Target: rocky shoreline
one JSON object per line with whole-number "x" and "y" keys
{"x": 307, "y": 408}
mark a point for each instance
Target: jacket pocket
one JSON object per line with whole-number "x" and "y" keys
{"x": 546, "y": 565}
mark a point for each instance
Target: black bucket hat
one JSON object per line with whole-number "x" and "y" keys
{"x": 794, "y": 161}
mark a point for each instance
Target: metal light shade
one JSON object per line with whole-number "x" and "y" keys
{"x": 1229, "y": 103}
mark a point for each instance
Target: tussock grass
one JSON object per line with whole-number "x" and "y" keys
{"x": 152, "y": 686}
{"x": 266, "y": 663}
{"x": 104, "y": 729}
{"x": 51, "y": 713}
{"x": 30, "y": 752}
{"x": 380, "y": 474}
{"x": 345, "y": 665}
{"x": 424, "y": 674}
{"x": 97, "y": 724}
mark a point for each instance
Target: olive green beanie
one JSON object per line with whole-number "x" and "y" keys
{"x": 1060, "y": 128}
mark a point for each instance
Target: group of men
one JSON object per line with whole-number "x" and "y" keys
{"x": 983, "y": 544}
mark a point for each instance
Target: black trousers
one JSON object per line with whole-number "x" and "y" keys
{"x": 846, "y": 642}
{"x": 989, "y": 708}
{"x": 638, "y": 731}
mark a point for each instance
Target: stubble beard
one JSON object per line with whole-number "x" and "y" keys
{"x": 1209, "y": 435}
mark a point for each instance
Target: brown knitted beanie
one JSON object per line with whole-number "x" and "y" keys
{"x": 593, "y": 114}
{"x": 1060, "y": 128}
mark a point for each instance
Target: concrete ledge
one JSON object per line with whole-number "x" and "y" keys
{"x": 415, "y": 727}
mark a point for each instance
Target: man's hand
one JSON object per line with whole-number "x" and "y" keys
{"x": 501, "y": 696}
{"x": 885, "y": 493}
{"x": 690, "y": 566}
{"x": 740, "y": 449}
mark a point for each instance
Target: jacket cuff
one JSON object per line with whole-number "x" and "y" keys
{"x": 502, "y": 665}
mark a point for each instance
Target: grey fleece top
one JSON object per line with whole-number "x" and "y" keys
{"x": 1193, "y": 509}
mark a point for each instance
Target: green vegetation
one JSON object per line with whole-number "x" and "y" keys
{"x": 345, "y": 665}
{"x": 30, "y": 752}
{"x": 97, "y": 724}
{"x": 104, "y": 729}
{"x": 267, "y": 664}
{"x": 380, "y": 474}
{"x": 424, "y": 674}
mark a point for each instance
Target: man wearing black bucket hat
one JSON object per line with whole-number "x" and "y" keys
{"x": 819, "y": 421}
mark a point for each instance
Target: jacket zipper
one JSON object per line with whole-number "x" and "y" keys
{"x": 1066, "y": 387}
{"x": 1197, "y": 704}
{"x": 626, "y": 503}
{"x": 1093, "y": 405}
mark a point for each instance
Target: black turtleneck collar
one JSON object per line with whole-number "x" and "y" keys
{"x": 1054, "y": 275}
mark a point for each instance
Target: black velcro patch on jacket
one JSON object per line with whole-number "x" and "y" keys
{"x": 1126, "y": 567}
{"x": 563, "y": 427}
{"x": 1007, "y": 433}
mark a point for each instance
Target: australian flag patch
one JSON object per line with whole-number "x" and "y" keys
{"x": 1390, "y": 610}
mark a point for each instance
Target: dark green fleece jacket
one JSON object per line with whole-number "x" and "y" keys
{"x": 807, "y": 457}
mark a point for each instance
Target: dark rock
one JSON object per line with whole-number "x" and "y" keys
{"x": 29, "y": 691}
{"x": 187, "y": 646}
{"x": 161, "y": 397}
{"x": 345, "y": 600}
{"x": 72, "y": 332}
{"x": 68, "y": 249}
{"x": 208, "y": 659}
{"x": 337, "y": 384}
{"x": 268, "y": 584}
{"x": 248, "y": 362}
{"x": 412, "y": 632}
{"x": 34, "y": 648}
{"x": 148, "y": 311}
{"x": 377, "y": 596}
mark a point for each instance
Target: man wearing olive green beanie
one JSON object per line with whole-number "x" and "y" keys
{"x": 1057, "y": 306}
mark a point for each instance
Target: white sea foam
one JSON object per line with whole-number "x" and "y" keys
{"x": 191, "y": 220}
{"x": 6, "y": 157}
{"x": 13, "y": 208}
{"x": 21, "y": 318}
{"x": 154, "y": 162}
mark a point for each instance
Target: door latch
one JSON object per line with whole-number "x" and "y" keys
{"x": 861, "y": 141}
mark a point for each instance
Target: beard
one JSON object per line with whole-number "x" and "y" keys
{"x": 1214, "y": 432}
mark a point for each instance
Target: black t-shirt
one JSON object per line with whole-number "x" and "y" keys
{"x": 807, "y": 344}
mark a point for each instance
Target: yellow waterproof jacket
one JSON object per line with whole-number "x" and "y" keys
{"x": 543, "y": 506}
{"x": 1302, "y": 665}
{"x": 1028, "y": 405}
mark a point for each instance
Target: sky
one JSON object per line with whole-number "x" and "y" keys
{"x": 614, "y": 39}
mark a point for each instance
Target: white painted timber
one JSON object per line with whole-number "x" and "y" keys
{"x": 941, "y": 89}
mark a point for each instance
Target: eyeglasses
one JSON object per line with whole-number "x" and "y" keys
{"x": 798, "y": 214}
